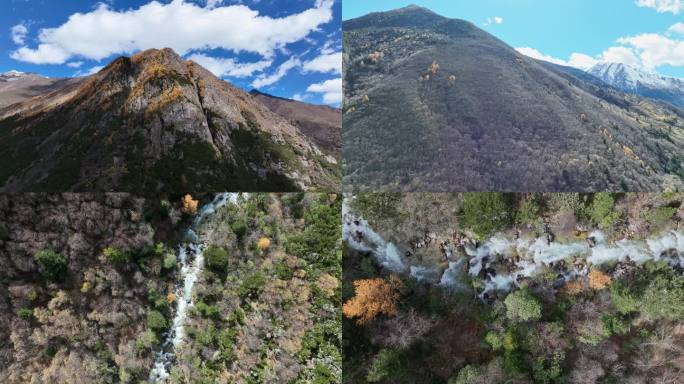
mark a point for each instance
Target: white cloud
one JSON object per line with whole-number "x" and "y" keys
{"x": 300, "y": 96}
{"x": 330, "y": 62}
{"x": 655, "y": 50}
{"x": 584, "y": 62}
{"x": 44, "y": 54}
{"x": 494, "y": 20}
{"x": 677, "y": 28}
{"x": 662, "y": 6}
{"x": 180, "y": 25}
{"x": 19, "y": 33}
{"x": 75, "y": 64}
{"x": 331, "y": 90}
{"x": 535, "y": 54}
{"x": 283, "y": 69}
{"x": 229, "y": 67}
{"x": 621, "y": 55}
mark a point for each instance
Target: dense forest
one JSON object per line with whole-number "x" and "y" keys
{"x": 513, "y": 288}
{"x": 117, "y": 288}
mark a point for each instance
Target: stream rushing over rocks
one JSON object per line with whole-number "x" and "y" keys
{"x": 191, "y": 261}
{"x": 503, "y": 263}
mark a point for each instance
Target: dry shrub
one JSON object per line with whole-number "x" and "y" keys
{"x": 402, "y": 330}
{"x": 573, "y": 288}
{"x": 598, "y": 280}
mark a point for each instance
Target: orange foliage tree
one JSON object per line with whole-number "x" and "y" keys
{"x": 189, "y": 205}
{"x": 373, "y": 297}
{"x": 598, "y": 280}
{"x": 263, "y": 243}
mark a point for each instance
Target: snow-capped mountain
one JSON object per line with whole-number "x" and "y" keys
{"x": 641, "y": 82}
{"x": 17, "y": 75}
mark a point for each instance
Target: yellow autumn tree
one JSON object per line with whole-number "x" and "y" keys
{"x": 264, "y": 243}
{"x": 373, "y": 297}
{"x": 189, "y": 205}
{"x": 598, "y": 280}
{"x": 433, "y": 68}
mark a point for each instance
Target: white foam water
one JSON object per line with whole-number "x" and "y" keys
{"x": 534, "y": 254}
{"x": 361, "y": 237}
{"x": 191, "y": 259}
{"x": 525, "y": 257}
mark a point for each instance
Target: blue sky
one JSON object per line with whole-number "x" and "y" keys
{"x": 287, "y": 48}
{"x": 646, "y": 33}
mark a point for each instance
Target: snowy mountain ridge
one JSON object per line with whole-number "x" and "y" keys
{"x": 640, "y": 81}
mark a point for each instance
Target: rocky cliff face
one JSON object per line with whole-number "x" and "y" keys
{"x": 321, "y": 123}
{"x": 437, "y": 104}
{"x": 80, "y": 317}
{"x": 155, "y": 122}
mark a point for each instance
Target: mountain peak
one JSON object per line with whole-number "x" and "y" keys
{"x": 413, "y": 7}
{"x": 415, "y": 17}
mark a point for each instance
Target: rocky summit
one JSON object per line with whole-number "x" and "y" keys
{"x": 154, "y": 122}
{"x": 437, "y": 104}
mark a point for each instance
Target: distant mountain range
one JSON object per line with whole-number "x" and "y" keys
{"x": 151, "y": 123}
{"x": 641, "y": 82}
{"x": 437, "y": 104}
{"x": 18, "y": 86}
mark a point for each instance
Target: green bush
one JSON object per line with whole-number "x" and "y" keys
{"x": 623, "y": 298}
{"x": 485, "y": 213}
{"x": 318, "y": 243}
{"x": 602, "y": 210}
{"x": 216, "y": 258}
{"x": 657, "y": 292}
{"x": 283, "y": 271}
{"x": 252, "y": 285}
{"x": 494, "y": 340}
{"x": 147, "y": 341}
{"x": 387, "y": 364}
{"x": 664, "y": 297}
{"x": 514, "y": 362}
{"x": 615, "y": 325}
{"x": 169, "y": 261}
{"x": 206, "y": 310}
{"x": 164, "y": 208}
{"x": 226, "y": 342}
{"x": 25, "y": 313}
{"x": 467, "y": 375}
{"x": 115, "y": 256}
{"x": 548, "y": 369}
{"x": 205, "y": 336}
{"x": 156, "y": 321}
{"x": 660, "y": 216}
{"x": 239, "y": 228}
{"x": 528, "y": 211}
{"x": 522, "y": 306}
{"x": 51, "y": 351}
{"x": 53, "y": 265}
